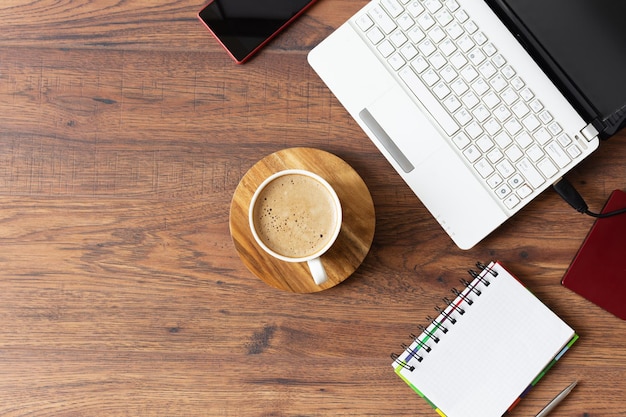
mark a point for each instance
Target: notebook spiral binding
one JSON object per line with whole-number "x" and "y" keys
{"x": 423, "y": 343}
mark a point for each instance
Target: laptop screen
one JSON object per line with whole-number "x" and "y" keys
{"x": 587, "y": 43}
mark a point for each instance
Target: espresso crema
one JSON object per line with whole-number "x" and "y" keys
{"x": 295, "y": 216}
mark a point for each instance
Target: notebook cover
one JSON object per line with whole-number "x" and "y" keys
{"x": 598, "y": 271}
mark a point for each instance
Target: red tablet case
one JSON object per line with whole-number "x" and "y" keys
{"x": 598, "y": 271}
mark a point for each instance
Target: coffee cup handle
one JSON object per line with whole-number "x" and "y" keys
{"x": 317, "y": 270}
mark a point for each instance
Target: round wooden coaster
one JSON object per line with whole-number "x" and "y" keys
{"x": 357, "y": 229}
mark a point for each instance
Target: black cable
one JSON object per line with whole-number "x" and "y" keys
{"x": 604, "y": 215}
{"x": 568, "y": 193}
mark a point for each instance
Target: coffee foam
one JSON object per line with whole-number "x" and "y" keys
{"x": 295, "y": 216}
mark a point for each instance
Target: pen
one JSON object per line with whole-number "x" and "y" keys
{"x": 557, "y": 400}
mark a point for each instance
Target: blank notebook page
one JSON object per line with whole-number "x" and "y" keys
{"x": 491, "y": 354}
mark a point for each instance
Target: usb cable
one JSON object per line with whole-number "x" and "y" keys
{"x": 567, "y": 191}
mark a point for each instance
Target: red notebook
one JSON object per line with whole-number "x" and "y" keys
{"x": 598, "y": 272}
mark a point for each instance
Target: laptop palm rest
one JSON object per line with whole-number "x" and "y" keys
{"x": 401, "y": 128}
{"x": 431, "y": 167}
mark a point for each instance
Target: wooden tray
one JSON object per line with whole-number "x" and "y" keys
{"x": 357, "y": 229}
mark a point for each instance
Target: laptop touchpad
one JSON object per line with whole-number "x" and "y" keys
{"x": 402, "y": 129}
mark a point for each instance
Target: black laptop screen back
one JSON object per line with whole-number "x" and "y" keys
{"x": 587, "y": 41}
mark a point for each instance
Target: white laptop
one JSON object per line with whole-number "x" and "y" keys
{"x": 479, "y": 116}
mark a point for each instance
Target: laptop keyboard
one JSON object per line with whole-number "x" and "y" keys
{"x": 494, "y": 119}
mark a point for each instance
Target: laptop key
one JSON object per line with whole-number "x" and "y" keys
{"x": 556, "y": 153}
{"x": 375, "y": 35}
{"x": 524, "y": 191}
{"x": 433, "y": 5}
{"x": 503, "y": 190}
{"x": 382, "y": 19}
{"x": 547, "y": 167}
{"x": 484, "y": 168}
{"x": 386, "y": 48}
{"x": 530, "y": 173}
{"x": 415, "y": 8}
{"x": 494, "y": 181}
{"x": 396, "y": 61}
{"x": 364, "y": 22}
{"x": 511, "y": 201}
{"x": 393, "y": 7}
{"x": 406, "y": 22}
{"x": 472, "y": 153}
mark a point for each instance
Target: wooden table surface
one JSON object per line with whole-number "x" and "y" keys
{"x": 124, "y": 131}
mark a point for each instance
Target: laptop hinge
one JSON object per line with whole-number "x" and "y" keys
{"x": 589, "y": 132}
{"x": 615, "y": 122}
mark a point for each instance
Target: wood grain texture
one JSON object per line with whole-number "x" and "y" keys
{"x": 124, "y": 132}
{"x": 352, "y": 244}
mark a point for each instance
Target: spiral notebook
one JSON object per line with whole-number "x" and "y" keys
{"x": 486, "y": 348}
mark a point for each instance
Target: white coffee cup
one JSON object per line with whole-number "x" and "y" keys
{"x": 295, "y": 216}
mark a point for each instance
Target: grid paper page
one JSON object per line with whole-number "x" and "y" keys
{"x": 493, "y": 352}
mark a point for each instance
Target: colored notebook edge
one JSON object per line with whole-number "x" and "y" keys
{"x": 545, "y": 370}
{"x": 554, "y": 360}
{"x": 414, "y": 388}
